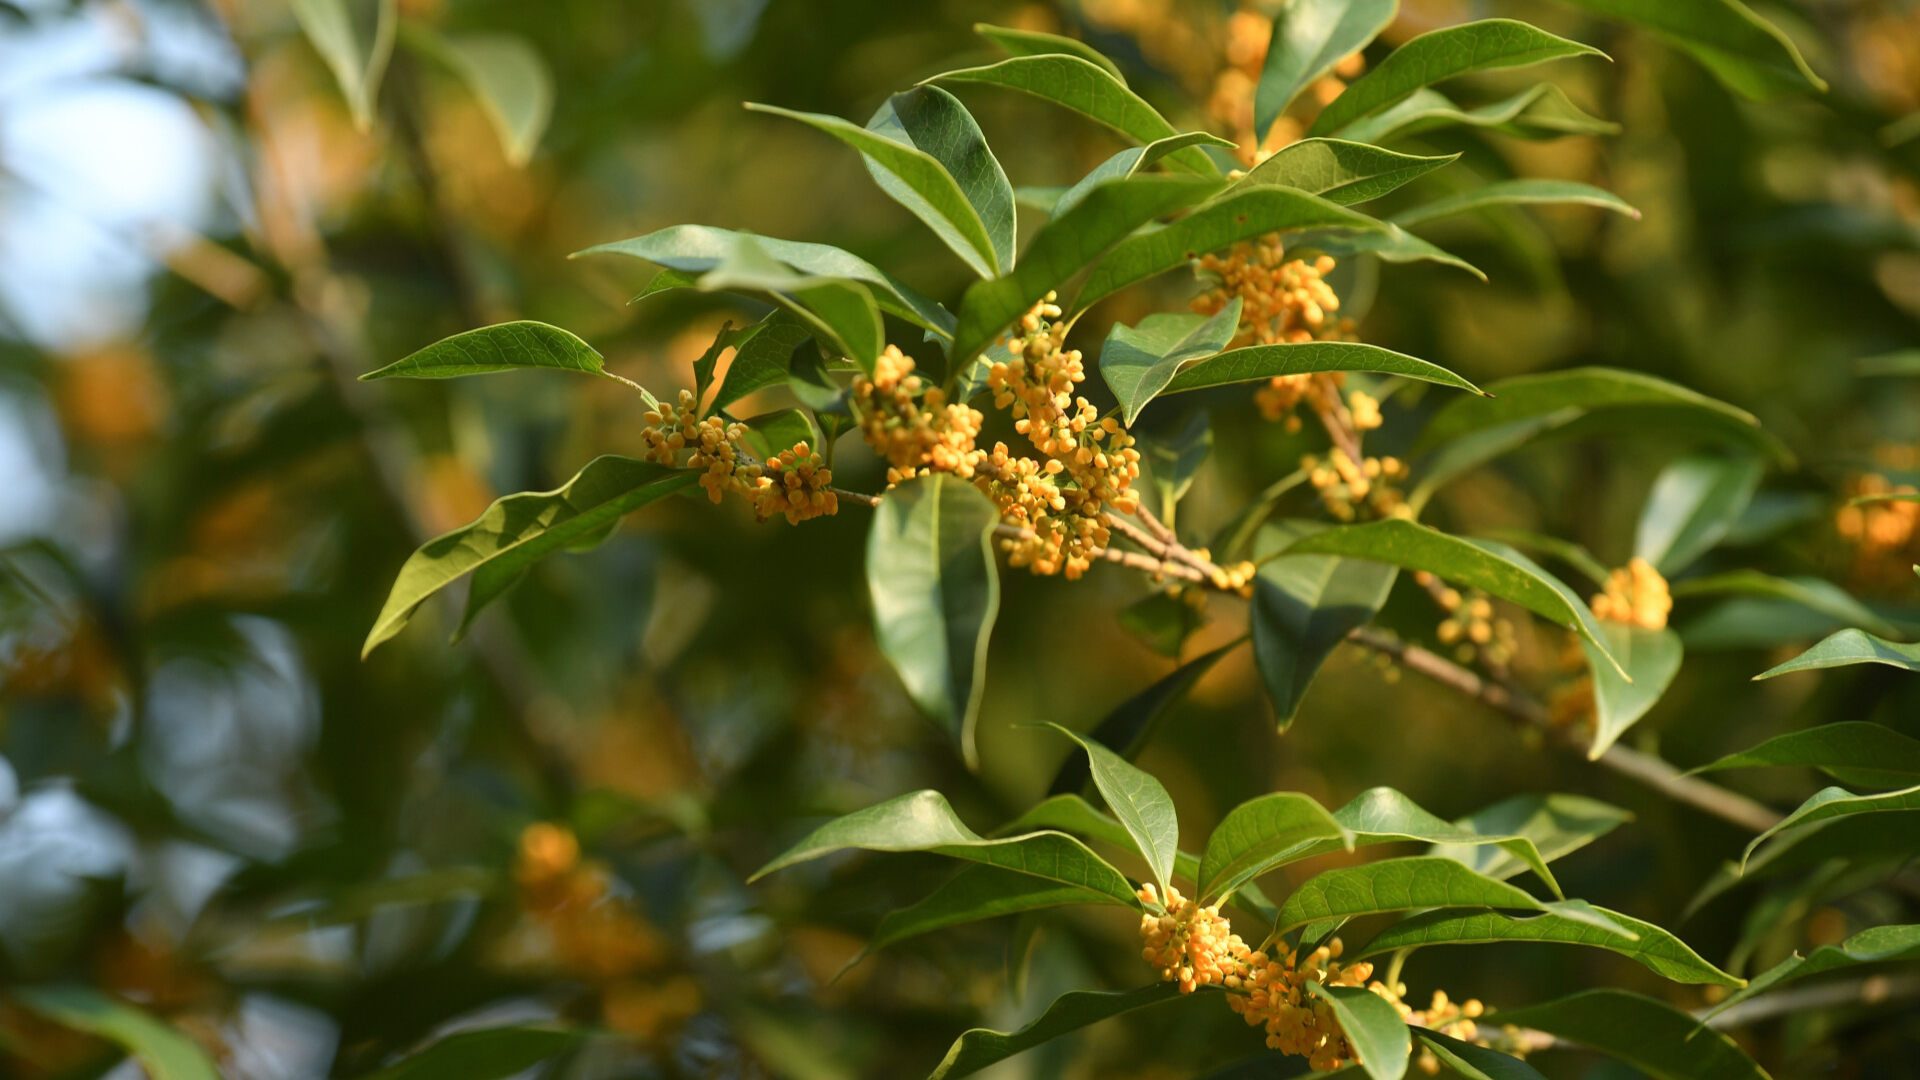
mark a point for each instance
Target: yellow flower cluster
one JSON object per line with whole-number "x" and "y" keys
{"x": 914, "y": 433}
{"x": 1470, "y": 625}
{"x": 1883, "y": 534}
{"x": 1351, "y": 490}
{"x": 795, "y": 484}
{"x": 1636, "y": 595}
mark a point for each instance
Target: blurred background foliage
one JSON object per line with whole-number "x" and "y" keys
{"x": 212, "y": 808}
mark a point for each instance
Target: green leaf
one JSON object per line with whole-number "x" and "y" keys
{"x": 666, "y": 280}
{"x": 811, "y": 381}
{"x": 1694, "y": 501}
{"x": 517, "y": 531}
{"x": 1390, "y": 243}
{"x": 1874, "y": 946}
{"x": 979, "y": 891}
{"x": 358, "y": 68}
{"x": 1850, "y": 647}
{"x": 1835, "y": 802}
{"x": 1842, "y": 843}
{"x": 929, "y": 119}
{"x": 1373, "y": 1028}
{"x": 502, "y": 347}
{"x": 1128, "y": 729}
{"x": 1595, "y": 391}
{"x": 935, "y": 593}
{"x": 1515, "y": 193}
{"x": 1812, "y": 593}
{"x": 1444, "y": 54}
{"x": 1162, "y": 621}
{"x": 1090, "y": 90}
{"x": 506, "y": 76}
{"x": 922, "y": 821}
{"x": 1850, "y": 751}
{"x": 1259, "y": 835}
{"x": 1566, "y": 551}
{"x": 1481, "y": 564}
{"x": 1065, "y": 246}
{"x": 1036, "y": 43}
{"x": 1650, "y": 1035}
{"x": 695, "y": 249}
{"x": 1129, "y": 162}
{"x": 1419, "y": 881}
{"x": 1138, "y": 362}
{"x": 1651, "y": 658}
{"x": 1257, "y": 362}
{"x": 1173, "y": 462}
{"x": 1901, "y": 362}
{"x": 1743, "y": 50}
{"x": 1341, "y": 172}
{"x": 1383, "y": 815}
{"x": 761, "y": 356}
{"x": 1475, "y": 1062}
{"x": 774, "y": 432}
{"x": 164, "y": 1052}
{"x": 1139, "y": 801}
{"x": 1303, "y": 607}
{"x": 1541, "y": 111}
{"x": 1309, "y": 38}
{"x": 1557, "y": 824}
{"x": 1656, "y": 949}
{"x": 980, "y": 1047}
{"x": 486, "y": 1054}
{"x": 1240, "y": 214}
{"x": 841, "y": 311}
{"x": 942, "y": 203}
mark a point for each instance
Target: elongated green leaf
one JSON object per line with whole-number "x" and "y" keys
{"x": 762, "y": 356}
{"x": 939, "y": 193}
{"x": 165, "y": 1053}
{"x": 1128, "y": 729}
{"x": 667, "y": 279}
{"x": 1065, "y": 246}
{"x": 1658, "y": 950}
{"x": 1850, "y": 751}
{"x": 1743, "y": 50}
{"x": 1419, "y": 881}
{"x": 1037, "y": 43}
{"x": 520, "y": 529}
{"x": 695, "y": 249}
{"x": 1557, "y": 824}
{"x": 1482, "y": 564}
{"x": 979, "y": 891}
{"x": 1651, "y": 658}
{"x": 1875, "y": 946}
{"x": 840, "y": 311}
{"x": 1126, "y": 163}
{"x": 1138, "y": 361}
{"x": 1341, "y": 172}
{"x": 1594, "y": 391}
{"x": 1240, "y": 214}
{"x": 929, "y": 119}
{"x": 1650, "y": 1035}
{"x": 1475, "y": 1062}
{"x": 922, "y": 821}
{"x": 1260, "y": 834}
{"x": 1090, "y": 90}
{"x": 507, "y": 77}
{"x": 1390, "y": 243}
{"x": 1812, "y": 593}
{"x": 1373, "y": 1028}
{"x": 1901, "y": 362}
{"x": 1566, "y": 551}
{"x": 486, "y": 1054}
{"x": 1835, "y": 802}
{"x": 1256, "y": 362}
{"x": 1139, "y": 801}
{"x": 1444, "y": 54}
{"x": 1303, "y": 607}
{"x": 1843, "y": 843}
{"x": 1541, "y": 111}
{"x": 1694, "y": 501}
{"x": 1515, "y": 193}
{"x": 1309, "y": 38}
{"x": 935, "y": 593}
{"x": 770, "y": 433}
{"x": 505, "y": 346}
{"x": 1850, "y": 647}
{"x": 356, "y": 54}
{"x": 976, "y": 1049}
{"x": 1382, "y": 816}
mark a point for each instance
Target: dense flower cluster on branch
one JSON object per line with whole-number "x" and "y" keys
{"x": 795, "y": 483}
{"x": 1636, "y": 595}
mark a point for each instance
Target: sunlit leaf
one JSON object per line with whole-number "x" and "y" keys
{"x": 1373, "y": 1028}
{"x": 841, "y": 311}
{"x": 1137, "y": 362}
{"x": 976, "y": 1049}
{"x": 1850, "y": 647}
{"x": 1515, "y": 193}
{"x": 977, "y": 892}
{"x": 1850, "y": 751}
{"x": 1341, "y": 172}
{"x": 1420, "y": 881}
{"x": 1260, "y": 362}
{"x": 1129, "y": 162}
{"x": 502, "y": 347}
{"x": 164, "y": 1052}
{"x": 1650, "y": 1035}
{"x": 1655, "y": 948}
{"x": 935, "y": 591}
{"x": 1038, "y": 43}
{"x": 1812, "y": 593}
{"x": 1444, "y": 54}
{"x": 1743, "y": 50}
{"x": 933, "y": 121}
{"x": 1835, "y": 802}
{"x": 355, "y": 38}
{"x": 1260, "y": 834}
{"x": 1390, "y": 243}
{"x": 1140, "y": 803}
{"x": 772, "y": 433}
{"x": 1651, "y": 658}
{"x": 1475, "y": 1062}
{"x": 1541, "y": 111}
{"x": 1574, "y": 555}
{"x": 1873, "y": 946}
{"x": 1557, "y": 824}
{"x": 485, "y": 1054}
{"x": 517, "y": 531}
{"x": 1309, "y": 38}
{"x": 1303, "y": 607}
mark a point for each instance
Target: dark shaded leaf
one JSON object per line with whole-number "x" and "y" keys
{"x": 1650, "y": 1035}
{"x": 1304, "y": 606}
{"x": 976, "y": 1049}
{"x": 1850, "y": 751}
{"x": 1128, "y": 729}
